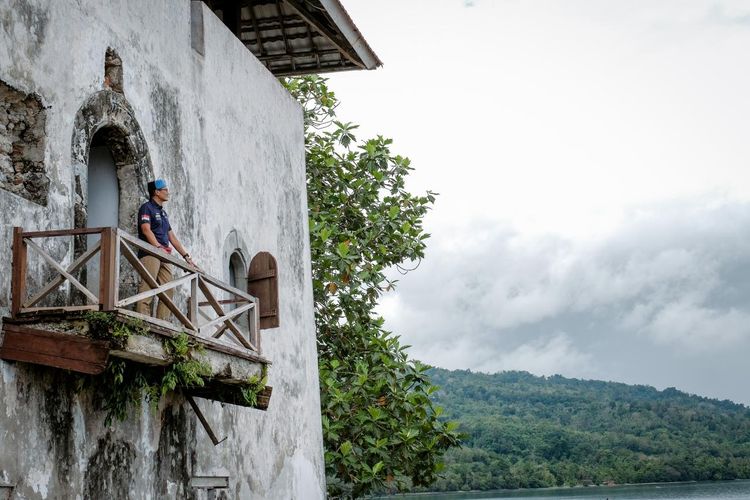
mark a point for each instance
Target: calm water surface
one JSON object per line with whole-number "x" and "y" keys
{"x": 720, "y": 490}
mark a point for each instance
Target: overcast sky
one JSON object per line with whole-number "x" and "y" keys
{"x": 593, "y": 164}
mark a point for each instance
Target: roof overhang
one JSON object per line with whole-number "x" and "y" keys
{"x": 297, "y": 37}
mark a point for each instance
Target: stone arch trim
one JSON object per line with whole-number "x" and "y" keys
{"x": 233, "y": 243}
{"x": 110, "y": 113}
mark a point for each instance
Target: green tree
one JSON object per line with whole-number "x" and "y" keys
{"x": 542, "y": 431}
{"x": 380, "y": 427}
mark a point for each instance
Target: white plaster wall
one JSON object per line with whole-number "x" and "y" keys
{"x": 229, "y": 140}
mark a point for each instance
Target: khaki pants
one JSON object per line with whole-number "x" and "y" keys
{"x": 162, "y": 271}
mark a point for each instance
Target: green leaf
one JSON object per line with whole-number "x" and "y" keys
{"x": 451, "y": 426}
{"x": 343, "y": 248}
{"x": 345, "y": 448}
{"x": 375, "y": 413}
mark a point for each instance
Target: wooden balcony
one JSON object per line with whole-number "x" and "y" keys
{"x": 48, "y": 322}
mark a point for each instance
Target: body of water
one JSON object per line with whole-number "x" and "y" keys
{"x": 719, "y": 490}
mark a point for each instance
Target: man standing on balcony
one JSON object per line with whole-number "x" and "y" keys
{"x": 154, "y": 228}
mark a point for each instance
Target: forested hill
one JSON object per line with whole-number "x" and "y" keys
{"x": 524, "y": 431}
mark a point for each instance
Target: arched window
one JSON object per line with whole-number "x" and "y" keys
{"x": 237, "y": 273}
{"x": 237, "y": 270}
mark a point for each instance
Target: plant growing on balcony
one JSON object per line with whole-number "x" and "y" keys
{"x": 124, "y": 384}
{"x": 254, "y": 387}
{"x": 106, "y": 326}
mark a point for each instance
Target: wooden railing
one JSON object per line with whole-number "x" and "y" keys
{"x": 113, "y": 246}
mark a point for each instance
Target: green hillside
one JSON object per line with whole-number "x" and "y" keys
{"x": 524, "y": 431}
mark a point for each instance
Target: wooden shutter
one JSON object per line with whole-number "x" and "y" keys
{"x": 263, "y": 283}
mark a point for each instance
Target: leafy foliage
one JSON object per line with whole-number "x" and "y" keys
{"x": 380, "y": 428}
{"x": 255, "y": 386}
{"x": 124, "y": 384}
{"x": 106, "y": 326}
{"x": 122, "y": 388}
{"x": 527, "y": 431}
{"x": 185, "y": 370}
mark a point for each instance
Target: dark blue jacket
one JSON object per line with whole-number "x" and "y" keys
{"x": 154, "y": 214}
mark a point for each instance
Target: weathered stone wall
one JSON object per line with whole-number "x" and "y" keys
{"x": 229, "y": 140}
{"x": 22, "y": 145}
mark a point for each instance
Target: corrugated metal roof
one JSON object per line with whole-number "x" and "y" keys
{"x": 297, "y": 37}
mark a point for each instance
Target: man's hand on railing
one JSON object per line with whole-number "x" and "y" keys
{"x": 190, "y": 261}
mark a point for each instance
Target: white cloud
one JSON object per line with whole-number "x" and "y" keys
{"x": 700, "y": 329}
{"x": 557, "y": 133}
{"x": 654, "y": 283}
{"x": 543, "y": 356}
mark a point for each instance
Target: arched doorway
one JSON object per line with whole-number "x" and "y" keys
{"x": 108, "y": 117}
{"x": 103, "y": 198}
{"x": 109, "y": 155}
{"x": 103, "y": 189}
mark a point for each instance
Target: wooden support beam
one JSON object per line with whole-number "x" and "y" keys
{"x": 313, "y": 48}
{"x": 261, "y": 50}
{"x": 300, "y": 53}
{"x": 232, "y": 16}
{"x": 204, "y": 422}
{"x": 328, "y": 67}
{"x": 287, "y": 45}
{"x": 18, "y": 278}
{"x": 273, "y": 23}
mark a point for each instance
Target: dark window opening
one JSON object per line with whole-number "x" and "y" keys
{"x": 236, "y": 273}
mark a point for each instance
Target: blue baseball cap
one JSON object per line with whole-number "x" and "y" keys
{"x": 160, "y": 183}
